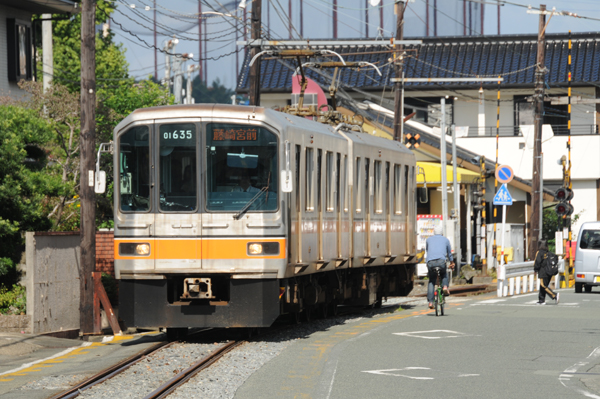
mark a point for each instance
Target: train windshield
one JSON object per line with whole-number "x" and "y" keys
{"x": 134, "y": 169}
{"x": 177, "y": 167}
{"x": 241, "y": 168}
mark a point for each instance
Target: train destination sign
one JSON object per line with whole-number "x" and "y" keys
{"x": 236, "y": 134}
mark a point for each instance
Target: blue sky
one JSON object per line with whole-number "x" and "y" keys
{"x": 179, "y": 16}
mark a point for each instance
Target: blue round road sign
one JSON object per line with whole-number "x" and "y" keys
{"x": 504, "y": 173}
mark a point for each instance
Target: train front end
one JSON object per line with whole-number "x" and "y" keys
{"x": 200, "y": 237}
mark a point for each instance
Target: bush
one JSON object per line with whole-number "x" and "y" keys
{"x": 13, "y": 301}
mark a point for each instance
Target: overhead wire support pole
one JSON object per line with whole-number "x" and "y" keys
{"x": 254, "y": 78}
{"x": 87, "y": 142}
{"x": 537, "y": 183}
{"x": 398, "y": 70}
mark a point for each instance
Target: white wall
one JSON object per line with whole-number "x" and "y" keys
{"x": 584, "y": 203}
{"x": 8, "y": 88}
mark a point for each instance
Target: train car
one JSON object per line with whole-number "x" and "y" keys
{"x": 230, "y": 216}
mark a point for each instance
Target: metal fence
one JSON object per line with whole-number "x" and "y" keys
{"x": 515, "y": 131}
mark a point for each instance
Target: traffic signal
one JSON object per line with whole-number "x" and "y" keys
{"x": 563, "y": 195}
{"x": 563, "y": 209}
{"x": 412, "y": 141}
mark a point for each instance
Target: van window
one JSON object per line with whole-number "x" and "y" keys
{"x": 590, "y": 239}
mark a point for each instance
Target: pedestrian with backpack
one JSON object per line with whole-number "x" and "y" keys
{"x": 546, "y": 266}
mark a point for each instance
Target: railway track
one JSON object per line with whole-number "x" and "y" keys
{"x": 182, "y": 377}
{"x": 206, "y": 361}
{"x": 112, "y": 371}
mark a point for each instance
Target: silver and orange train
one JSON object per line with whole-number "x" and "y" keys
{"x": 230, "y": 216}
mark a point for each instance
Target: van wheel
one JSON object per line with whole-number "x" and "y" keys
{"x": 578, "y": 288}
{"x": 588, "y": 288}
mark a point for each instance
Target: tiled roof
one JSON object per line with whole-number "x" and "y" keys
{"x": 513, "y": 57}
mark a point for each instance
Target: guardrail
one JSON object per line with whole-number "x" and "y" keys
{"x": 521, "y": 275}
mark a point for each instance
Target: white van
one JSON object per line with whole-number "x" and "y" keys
{"x": 587, "y": 257}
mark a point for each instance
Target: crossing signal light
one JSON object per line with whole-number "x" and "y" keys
{"x": 563, "y": 209}
{"x": 412, "y": 141}
{"x": 563, "y": 194}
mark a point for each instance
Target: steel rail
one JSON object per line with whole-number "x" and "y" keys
{"x": 182, "y": 377}
{"x": 110, "y": 372}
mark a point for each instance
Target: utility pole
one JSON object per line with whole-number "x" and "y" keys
{"x": 399, "y": 86}
{"x": 335, "y": 33}
{"x": 47, "y": 59}
{"x": 255, "y": 68}
{"x": 87, "y": 141}
{"x": 537, "y": 183}
{"x": 367, "y": 19}
{"x": 155, "y": 48}
{"x": 200, "y": 41}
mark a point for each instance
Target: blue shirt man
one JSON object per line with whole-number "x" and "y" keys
{"x": 437, "y": 248}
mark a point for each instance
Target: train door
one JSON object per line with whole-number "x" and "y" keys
{"x": 309, "y": 219}
{"x": 178, "y": 221}
{"x": 134, "y": 188}
{"x": 405, "y": 208}
{"x": 297, "y": 229}
{"x": 368, "y": 206}
{"x": 388, "y": 211}
{"x": 410, "y": 211}
{"x": 320, "y": 205}
{"x": 358, "y": 230}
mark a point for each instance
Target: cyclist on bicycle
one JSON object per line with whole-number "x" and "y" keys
{"x": 437, "y": 248}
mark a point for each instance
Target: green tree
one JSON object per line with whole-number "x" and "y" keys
{"x": 111, "y": 64}
{"x": 216, "y": 93}
{"x": 552, "y": 223}
{"x": 24, "y": 183}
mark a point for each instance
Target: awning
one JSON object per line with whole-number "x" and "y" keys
{"x": 433, "y": 174}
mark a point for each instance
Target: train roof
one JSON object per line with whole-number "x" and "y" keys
{"x": 246, "y": 112}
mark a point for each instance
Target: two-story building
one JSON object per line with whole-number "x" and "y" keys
{"x": 19, "y": 37}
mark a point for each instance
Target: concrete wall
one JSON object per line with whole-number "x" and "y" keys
{"x": 52, "y": 281}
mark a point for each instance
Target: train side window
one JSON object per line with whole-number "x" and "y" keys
{"x": 298, "y": 191}
{"x": 397, "y": 190}
{"x": 134, "y": 169}
{"x": 344, "y": 183}
{"x": 358, "y": 185}
{"x": 368, "y": 185}
{"x": 177, "y": 167}
{"x": 378, "y": 198}
{"x": 406, "y": 184}
{"x": 329, "y": 188}
{"x": 387, "y": 188}
{"x": 310, "y": 171}
{"x": 319, "y": 180}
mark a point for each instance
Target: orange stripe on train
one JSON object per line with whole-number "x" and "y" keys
{"x": 165, "y": 248}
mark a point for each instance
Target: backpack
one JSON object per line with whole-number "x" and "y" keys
{"x": 550, "y": 264}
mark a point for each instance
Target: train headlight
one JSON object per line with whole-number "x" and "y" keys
{"x": 255, "y": 249}
{"x": 263, "y": 248}
{"x": 142, "y": 249}
{"x": 134, "y": 248}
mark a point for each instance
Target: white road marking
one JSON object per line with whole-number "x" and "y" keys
{"x": 423, "y": 334}
{"x": 27, "y": 365}
{"x": 565, "y": 376}
{"x": 412, "y": 373}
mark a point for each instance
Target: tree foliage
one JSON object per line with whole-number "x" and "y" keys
{"x": 216, "y": 93}
{"x": 551, "y": 224}
{"x": 24, "y": 183}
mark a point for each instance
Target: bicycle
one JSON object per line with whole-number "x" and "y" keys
{"x": 439, "y": 300}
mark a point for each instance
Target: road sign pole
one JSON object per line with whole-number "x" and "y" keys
{"x": 501, "y": 272}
